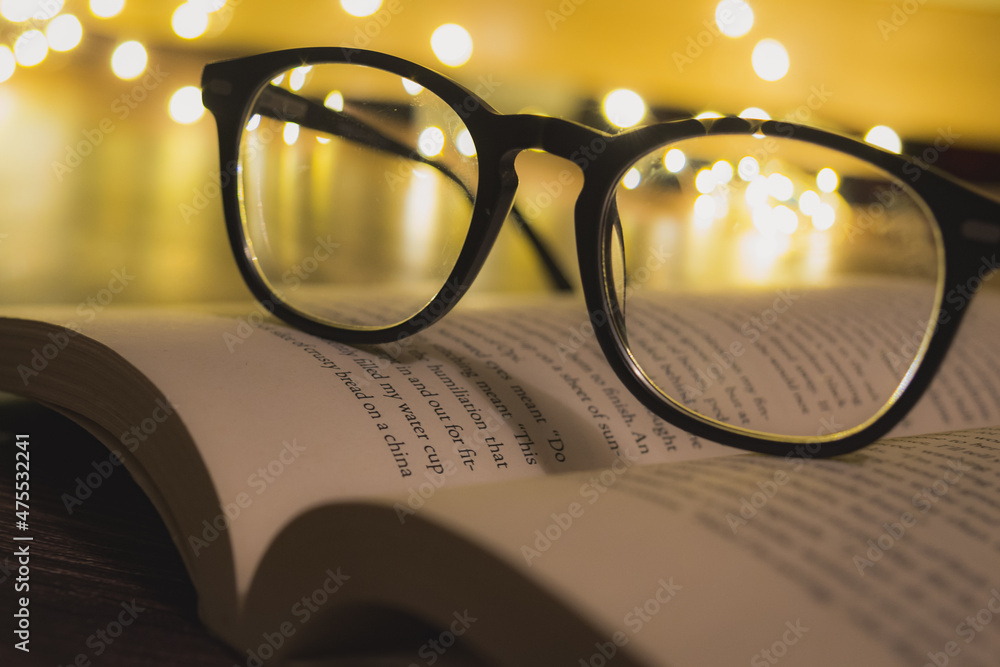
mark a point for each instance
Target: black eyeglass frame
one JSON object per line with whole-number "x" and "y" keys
{"x": 968, "y": 224}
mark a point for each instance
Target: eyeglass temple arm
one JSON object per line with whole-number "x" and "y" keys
{"x": 284, "y": 105}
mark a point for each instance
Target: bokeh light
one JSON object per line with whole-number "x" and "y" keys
{"x": 734, "y": 18}
{"x": 7, "y": 63}
{"x": 361, "y": 8}
{"x": 748, "y": 168}
{"x": 105, "y": 9}
{"x": 16, "y": 11}
{"x": 190, "y": 20}
{"x": 755, "y": 113}
{"x": 722, "y": 172}
{"x": 884, "y": 137}
{"x": 674, "y": 160}
{"x": 452, "y": 44}
{"x": 185, "y": 105}
{"x": 631, "y": 179}
{"x": 770, "y": 60}
{"x": 31, "y": 48}
{"x": 431, "y": 142}
{"x": 335, "y": 101}
{"x": 827, "y": 180}
{"x": 64, "y": 32}
{"x": 624, "y": 108}
{"x": 297, "y": 79}
{"x": 466, "y": 146}
{"x": 43, "y": 10}
{"x": 129, "y": 60}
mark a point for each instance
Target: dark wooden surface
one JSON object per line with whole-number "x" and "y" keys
{"x": 85, "y": 566}
{"x": 114, "y": 549}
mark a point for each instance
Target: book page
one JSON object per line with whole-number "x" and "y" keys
{"x": 889, "y": 556}
{"x": 285, "y": 421}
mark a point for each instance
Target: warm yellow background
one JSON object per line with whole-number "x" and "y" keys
{"x": 916, "y": 66}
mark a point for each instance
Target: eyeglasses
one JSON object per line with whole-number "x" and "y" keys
{"x": 757, "y": 283}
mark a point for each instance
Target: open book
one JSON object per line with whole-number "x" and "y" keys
{"x": 492, "y": 479}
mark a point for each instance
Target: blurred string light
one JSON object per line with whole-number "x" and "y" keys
{"x": 674, "y": 160}
{"x": 129, "y": 60}
{"x": 748, "y": 168}
{"x": 105, "y": 9}
{"x": 785, "y": 220}
{"x": 770, "y": 60}
{"x": 452, "y": 44}
{"x": 823, "y": 217}
{"x": 16, "y": 11}
{"x": 335, "y": 101}
{"x": 466, "y": 146}
{"x": 431, "y": 142}
{"x": 809, "y": 202}
{"x": 19, "y": 11}
{"x": 704, "y": 181}
{"x": 185, "y": 105}
{"x": 297, "y": 79}
{"x": 884, "y": 137}
{"x": 755, "y": 113}
{"x": 7, "y": 63}
{"x": 624, "y": 108}
{"x": 704, "y": 210}
{"x": 780, "y": 187}
{"x": 31, "y": 48}
{"x": 44, "y": 10}
{"x": 734, "y": 18}
{"x": 190, "y": 20}
{"x": 708, "y": 115}
{"x": 64, "y": 32}
{"x": 210, "y": 6}
{"x": 290, "y": 134}
{"x": 412, "y": 87}
{"x": 827, "y": 180}
{"x": 722, "y": 172}
{"x": 631, "y": 179}
{"x": 361, "y": 8}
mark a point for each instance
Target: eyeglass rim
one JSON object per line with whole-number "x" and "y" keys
{"x": 230, "y": 86}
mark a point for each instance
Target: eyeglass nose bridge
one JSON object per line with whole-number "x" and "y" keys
{"x": 557, "y": 136}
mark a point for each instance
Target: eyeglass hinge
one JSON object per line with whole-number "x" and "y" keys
{"x": 219, "y": 87}
{"x": 979, "y": 230}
